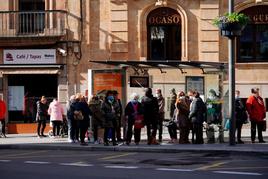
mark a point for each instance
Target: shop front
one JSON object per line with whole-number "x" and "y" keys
{"x": 26, "y": 76}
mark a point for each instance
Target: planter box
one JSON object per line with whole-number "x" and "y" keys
{"x": 231, "y": 30}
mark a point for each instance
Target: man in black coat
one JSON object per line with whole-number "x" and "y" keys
{"x": 197, "y": 116}
{"x": 240, "y": 115}
{"x": 151, "y": 110}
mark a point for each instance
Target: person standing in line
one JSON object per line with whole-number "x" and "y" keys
{"x": 97, "y": 118}
{"x": 41, "y": 116}
{"x": 240, "y": 115}
{"x": 197, "y": 116}
{"x": 172, "y": 127}
{"x": 151, "y": 111}
{"x": 81, "y": 114}
{"x": 72, "y": 124}
{"x": 132, "y": 110}
{"x": 257, "y": 113}
{"x": 183, "y": 107}
{"x": 161, "y": 117}
{"x": 119, "y": 117}
{"x": 56, "y": 113}
{"x": 110, "y": 108}
{"x": 2, "y": 115}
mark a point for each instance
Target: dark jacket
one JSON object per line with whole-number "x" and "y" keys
{"x": 70, "y": 110}
{"x": 150, "y": 108}
{"x": 130, "y": 112}
{"x": 110, "y": 113}
{"x": 42, "y": 109}
{"x": 240, "y": 111}
{"x": 82, "y": 106}
{"x": 97, "y": 114}
{"x": 197, "y": 111}
{"x": 183, "y": 107}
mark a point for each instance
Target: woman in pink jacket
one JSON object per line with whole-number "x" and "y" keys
{"x": 55, "y": 111}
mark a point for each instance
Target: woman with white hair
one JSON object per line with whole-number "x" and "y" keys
{"x": 134, "y": 116}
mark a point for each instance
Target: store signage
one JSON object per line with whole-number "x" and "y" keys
{"x": 164, "y": 16}
{"x": 30, "y": 56}
{"x": 173, "y": 19}
{"x": 139, "y": 81}
{"x": 259, "y": 18}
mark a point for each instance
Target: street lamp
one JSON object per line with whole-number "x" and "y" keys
{"x": 231, "y": 65}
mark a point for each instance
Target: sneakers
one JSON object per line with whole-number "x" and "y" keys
{"x": 71, "y": 141}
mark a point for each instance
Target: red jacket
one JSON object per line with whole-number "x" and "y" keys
{"x": 256, "y": 109}
{"x": 2, "y": 110}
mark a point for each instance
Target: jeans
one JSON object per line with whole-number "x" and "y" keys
{"x": 160, "y": 125}
{"x": 56, "y": 127}
{"x": 73, "y": 131}
{"x": 106, "y": 132}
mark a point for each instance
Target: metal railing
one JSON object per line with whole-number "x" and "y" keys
{"x": 32, "y": 23}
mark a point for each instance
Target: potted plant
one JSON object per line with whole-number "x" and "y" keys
{"x": 231, "y": 24}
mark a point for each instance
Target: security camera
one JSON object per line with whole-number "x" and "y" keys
{"x": 62, "y": 52}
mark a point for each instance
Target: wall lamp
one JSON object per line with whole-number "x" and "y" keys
{"x": 161, "y": 3}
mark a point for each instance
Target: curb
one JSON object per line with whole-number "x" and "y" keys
{"x": 157, "y": 149}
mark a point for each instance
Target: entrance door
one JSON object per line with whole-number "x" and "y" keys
{"x": 25, "y": 90}
{"x": 29, "y": 21}
{"x": 164, "y": 34}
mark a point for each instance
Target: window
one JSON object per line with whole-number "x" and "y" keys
{"x": 164, "y": 34}
{"x": 252, "y": 46}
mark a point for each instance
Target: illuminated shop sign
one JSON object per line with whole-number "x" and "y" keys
{"x": 30, "y": 56}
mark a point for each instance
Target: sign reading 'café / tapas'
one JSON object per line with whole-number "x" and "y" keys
{"x": 30, "y": 56}
{"x": 164, "y": 16}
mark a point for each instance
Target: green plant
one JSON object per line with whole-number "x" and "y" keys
{"x": 234, "y": 17}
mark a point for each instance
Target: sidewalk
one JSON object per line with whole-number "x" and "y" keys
{"x": 31, "y": 142}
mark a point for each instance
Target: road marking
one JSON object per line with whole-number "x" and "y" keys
{"x": 77, "y": 164}
{"x": 116, "y": 156}
{"x": 21, "y": 154}
{"x": 174, "y": 169}
{"x": 238, "y": 173}
{"x": 239, "y": 168}
{"x": 211, "y": 166}
{"x": 121, "y": 167}
{"x": 36, "y": 162}
{"x": 5, "y": 160}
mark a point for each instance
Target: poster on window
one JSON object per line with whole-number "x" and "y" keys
{"x": 195, "y": 83}
{"x": 107, "y": 80}
{"x": 15, "y": 98}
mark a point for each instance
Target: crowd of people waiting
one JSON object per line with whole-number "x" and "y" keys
{"x": 187, "y": 113}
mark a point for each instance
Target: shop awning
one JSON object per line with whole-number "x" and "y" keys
{"x": 167, "y": 64}
{"x": 30, "y": 69}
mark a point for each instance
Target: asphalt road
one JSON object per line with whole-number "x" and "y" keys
{"x": 121, "y": 165}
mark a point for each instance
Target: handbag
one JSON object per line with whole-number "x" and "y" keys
{"x": 139, "y": 121}
{"x": 78, "y": 115}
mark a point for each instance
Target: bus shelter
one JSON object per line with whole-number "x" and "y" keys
{"x": 208, "y": 78}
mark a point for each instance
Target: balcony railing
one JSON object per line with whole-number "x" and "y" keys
{"x": 32, "y": 23}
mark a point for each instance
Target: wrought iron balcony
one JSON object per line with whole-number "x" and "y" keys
{"x": 32, "y": 23}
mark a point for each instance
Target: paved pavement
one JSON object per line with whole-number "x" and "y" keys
{"x": 30, "y": 141}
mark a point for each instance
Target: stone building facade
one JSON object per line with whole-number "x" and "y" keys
{"x": 79, "y": 31}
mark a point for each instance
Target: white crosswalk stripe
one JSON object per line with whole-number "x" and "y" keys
{"x": 174, "y": 169}
{"x": 121, "y": 167}
{"x": 237, "y": 173}
{"x": 36, "y": 162}
{"x": 5, "y": 160}
{"x": 76, "y": 164}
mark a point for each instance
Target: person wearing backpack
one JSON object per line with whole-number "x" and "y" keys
{"x": 197, "y": 116}
{"x": 133, "y": 113}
